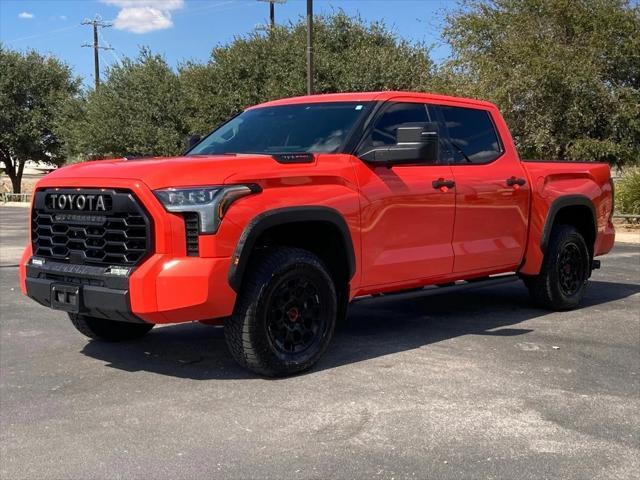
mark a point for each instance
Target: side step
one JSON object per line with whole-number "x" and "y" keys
{"x": 435, "y": 290}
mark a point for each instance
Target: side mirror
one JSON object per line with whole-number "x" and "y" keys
{"x": 192, "y": 141}
{"x": 414, "y": 145}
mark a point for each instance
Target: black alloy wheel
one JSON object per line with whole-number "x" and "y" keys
{"x": 566, "y": 268}
{"x": 571, "y": 269}
{"x": 285, "y": 314}
{"x": 296, "y": 319}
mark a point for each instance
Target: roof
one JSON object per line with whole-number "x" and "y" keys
{"x": 374, "y": 96}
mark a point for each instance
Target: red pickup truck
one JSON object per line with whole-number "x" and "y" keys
{"x": 276, "y": 220}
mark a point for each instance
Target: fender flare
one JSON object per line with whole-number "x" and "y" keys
{"x": 281, "y": 216}
{"x": 557, "y": 205}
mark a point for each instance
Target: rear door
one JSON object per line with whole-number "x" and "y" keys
{"x": 407, "y": 221}
{"x": 492, "y": 196}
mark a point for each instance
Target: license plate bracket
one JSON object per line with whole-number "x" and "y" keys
{"x": 65, "y": 297}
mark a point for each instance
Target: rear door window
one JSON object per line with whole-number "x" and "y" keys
{"x": 472, "y": 135}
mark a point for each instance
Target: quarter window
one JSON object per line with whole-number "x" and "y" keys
{"x": 472, "y": 135}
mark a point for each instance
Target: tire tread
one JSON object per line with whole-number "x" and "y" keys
{"x": 240, "y": 328}
{"x": 543, "y": 287}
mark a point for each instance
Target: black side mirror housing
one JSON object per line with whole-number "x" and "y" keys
{"x": 192, "y": 141}
{"x": 414, "y": 145}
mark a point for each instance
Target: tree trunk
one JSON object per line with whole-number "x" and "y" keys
{"x": 14, "y": 174}
{"x": 16, "y": 183}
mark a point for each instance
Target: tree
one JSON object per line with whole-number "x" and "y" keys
{"x": 33, "y": 90}
{"x": 566, "y": 73}
{"x": 350, "y": 55}
{"x": 137, "y": 110}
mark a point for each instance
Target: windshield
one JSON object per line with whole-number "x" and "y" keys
{"x": 309, "y": 127}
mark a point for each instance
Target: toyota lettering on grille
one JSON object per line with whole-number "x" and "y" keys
{"x": 77, "y": 202}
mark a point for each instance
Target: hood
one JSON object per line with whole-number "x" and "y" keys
{"x": 163, "y": 172}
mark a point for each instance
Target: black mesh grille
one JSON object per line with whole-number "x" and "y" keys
{"x": 119, "y": 236}
{"x": 192, "y": 229}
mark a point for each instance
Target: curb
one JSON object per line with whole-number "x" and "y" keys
{"x": 628, "y": 237}
{"x": 16, "y": 204}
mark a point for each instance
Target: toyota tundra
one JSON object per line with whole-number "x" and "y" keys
{"x": 276, "y": 220}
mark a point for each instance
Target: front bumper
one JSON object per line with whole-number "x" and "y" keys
{"x": 100, "y": 295}
{"x": 161, "y": 290}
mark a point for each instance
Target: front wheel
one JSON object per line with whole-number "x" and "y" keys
{"x": 108, "y": 330}
{"x": 285, "y": 314}
{"x": 565, "y": 270}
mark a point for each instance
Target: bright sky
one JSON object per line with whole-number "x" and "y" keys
{"x": 187, "y": 29}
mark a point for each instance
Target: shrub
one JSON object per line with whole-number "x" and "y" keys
{"x": 628, "y": 193}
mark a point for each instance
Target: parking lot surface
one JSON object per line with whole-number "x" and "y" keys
{"x": 472, "y": 385}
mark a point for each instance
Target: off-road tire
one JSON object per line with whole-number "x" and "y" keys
{"x": 547, "y": 289}
{"x": 108, "y": 330}
{"x": 249, "y": 332}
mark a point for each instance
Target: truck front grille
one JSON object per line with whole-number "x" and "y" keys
{"x": 114, "y": 230}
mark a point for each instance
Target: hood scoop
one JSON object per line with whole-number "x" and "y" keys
{"x": 293, "y": 157}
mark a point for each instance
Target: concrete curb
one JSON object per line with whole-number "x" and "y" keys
{"x": 628, "y": 237}
{"x": 16, "y": 204}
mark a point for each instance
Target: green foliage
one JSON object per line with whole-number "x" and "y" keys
{"x": 34, "y": 90}
{"x": 628, "y": 192}
{"x": 136, "y": 111}
{"x": 566, "y": 73}
{"x": 350, "y": 55}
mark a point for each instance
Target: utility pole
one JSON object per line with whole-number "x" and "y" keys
{"x": 309, "y": 47}
{"x": 96, "y": 22}
{"x": 272, "y": 10}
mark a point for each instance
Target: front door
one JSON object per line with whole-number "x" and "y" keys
{"x": 407, "y": 221}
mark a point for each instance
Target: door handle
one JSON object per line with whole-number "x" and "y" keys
{"x": 442, "y": 183}
{"x": 515, "y": 181}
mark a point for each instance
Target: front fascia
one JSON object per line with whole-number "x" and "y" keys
{"x": 168, "y": 286}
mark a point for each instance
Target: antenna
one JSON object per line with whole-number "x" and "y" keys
{"x": 96, "y": 22}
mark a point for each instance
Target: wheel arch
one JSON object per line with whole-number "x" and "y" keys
{"x": 281, "y": 220}
{"x": 576, "y": 210}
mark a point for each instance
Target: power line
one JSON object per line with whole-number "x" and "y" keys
{"x": 96, "y": 22}
{"x": 44, "y": 34}
{"x": 114, "y": 52}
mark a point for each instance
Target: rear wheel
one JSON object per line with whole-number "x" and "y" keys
{"x": 285, "y": 314}
{"x": 108, "y": 330}
{"x": 565, "y": 270}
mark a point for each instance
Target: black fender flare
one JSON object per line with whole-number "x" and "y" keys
{"x": 281, "y": 216}
{"x": 557, "y": 205}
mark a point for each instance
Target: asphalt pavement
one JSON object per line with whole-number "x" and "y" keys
{"x": 471, "y": 385}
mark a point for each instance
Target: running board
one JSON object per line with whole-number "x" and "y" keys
{"x": 435, "y": 290}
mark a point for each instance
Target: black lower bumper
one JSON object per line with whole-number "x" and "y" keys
{"x": 99, "y": 294}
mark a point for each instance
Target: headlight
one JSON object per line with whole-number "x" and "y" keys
{"x": 210, "y": 203}
{"x": 172, "y": 198}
